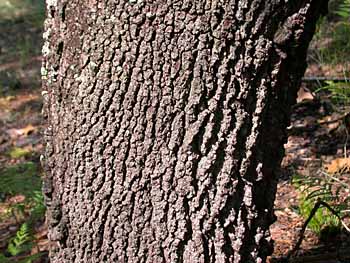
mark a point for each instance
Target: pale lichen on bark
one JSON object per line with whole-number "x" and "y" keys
{"x": 166, "y": 124}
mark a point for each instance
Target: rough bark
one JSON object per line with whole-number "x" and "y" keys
{"x": 166, "y": 123}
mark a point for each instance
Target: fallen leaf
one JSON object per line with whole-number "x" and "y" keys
{"x": 304, "y": 94}
{"x": 28, "y": 130}
{"x": 338, "y": 165}
{"x": 14, "y": 133}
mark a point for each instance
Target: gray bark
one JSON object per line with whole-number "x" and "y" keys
{"x": 165, "y": 125}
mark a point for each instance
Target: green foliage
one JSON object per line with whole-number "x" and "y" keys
{"x": 333, "y": 38}
{"x": 336, "y": 51}
{"x": 25, "y": 50}
{"x": 23, "y": 179}
{"x": 22, "y": 242}
{"x": 17, "y": 153}
{"x": 32, "y": 11}
{"x": 37, "y": 205}
{"x": 4, "y": 259}
{"x": 343, "y": 9}
{"x": 27, "y": 259}
{"x": 322, "y": 218}
{"x": 37, "y": 16}
{"x": 339, "y": 91}
{"x": 326, "y": 188}
{"x": 9, "y": 82}
{"x": 31, "y": 258}
{"x": 20, "y": 179}
{"x": 329, "y": 188}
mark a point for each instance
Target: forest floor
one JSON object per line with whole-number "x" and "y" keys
{"x": 317, "y": 142}
{"x": 316, "y": 147}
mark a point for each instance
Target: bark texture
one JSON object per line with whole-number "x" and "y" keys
{"x": 166, "y": 123}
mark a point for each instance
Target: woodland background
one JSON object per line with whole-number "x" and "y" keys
{"x": 315, "y": 170}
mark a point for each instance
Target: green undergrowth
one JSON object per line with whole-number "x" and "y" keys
{"x": 20, "y": 245}
{"x": 9, "y": 83}
{"x": 17, "y": 153}
{"x": 337, "y": 49}
{"x": 22, "y": 241}
{"x": 32, "y": 11}
{"x": 326, "y": 188}
{"x": 339, "y": 92}
{"x": 28, "y": 259}
{"x": 332, "y": 37}
{"x": 22, "y": 179}
{"x": 21, "y": 23}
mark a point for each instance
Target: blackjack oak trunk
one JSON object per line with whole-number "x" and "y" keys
{"x": 166, "y": 123}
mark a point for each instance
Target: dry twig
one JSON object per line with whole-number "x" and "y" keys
{"x": 317, "y": 205}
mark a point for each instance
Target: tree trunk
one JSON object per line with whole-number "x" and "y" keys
{"x": 166, "y": 123}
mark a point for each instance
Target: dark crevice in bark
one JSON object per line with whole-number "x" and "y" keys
{"x": 196, "y": 144}
{"x": 245, "y": 251}
{"x": 217, "y": 18}
{"x": 206, "y": 249}
{"x": 232, "y": 204}
{"x": 217, "y": 118}
{"x": 63, "y": 12}
{"x": 215, "y": 169}
{"x": 188, "y": 235}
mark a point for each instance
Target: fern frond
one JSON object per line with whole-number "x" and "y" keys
{"x": 22, "y": 242}
{"x": 326, "y": 188}
{"x": 343, "y": 9}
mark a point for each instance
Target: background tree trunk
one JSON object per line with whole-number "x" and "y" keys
{"x": 166, "y": 124}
